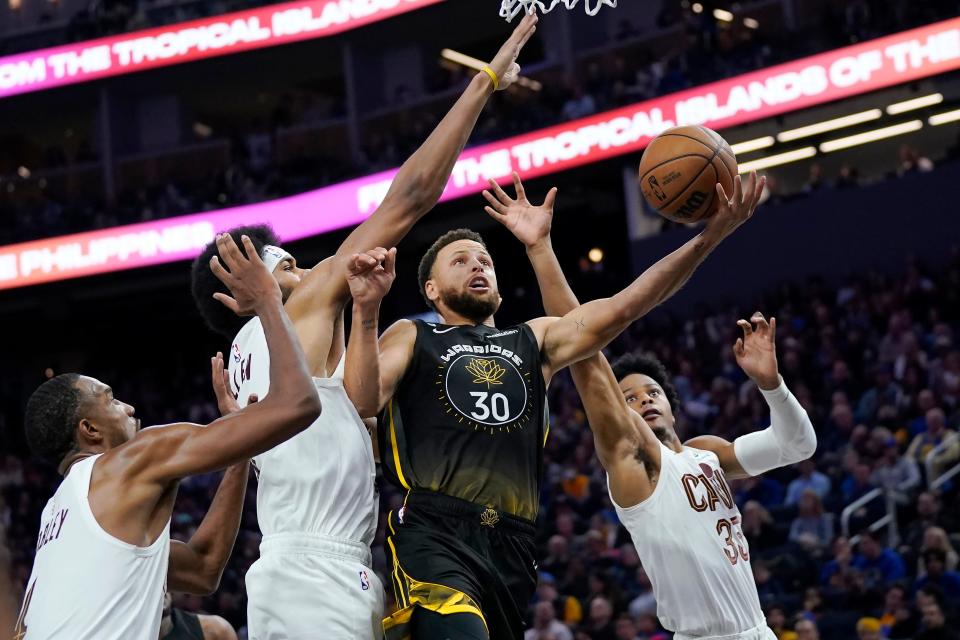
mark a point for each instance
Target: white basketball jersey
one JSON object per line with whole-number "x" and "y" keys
{"x": 688, "y": 537}
{"x": 85, "y": 583}
{"x": 321, "y": 481}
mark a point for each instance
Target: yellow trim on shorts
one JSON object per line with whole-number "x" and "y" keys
{"x": 393, "y": 443}
{"x": 453, "y": 600}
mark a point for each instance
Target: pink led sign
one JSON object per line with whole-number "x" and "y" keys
{"x": 195, "y": 40}
{"x": 842, "y": 73}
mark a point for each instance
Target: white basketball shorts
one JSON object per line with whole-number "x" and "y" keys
{"x": 306, "y": 587}
{"x": 760, "y": 632}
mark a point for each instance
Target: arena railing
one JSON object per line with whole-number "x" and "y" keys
{"x": 930, "y": 461}
{"x": 889, "y": 520}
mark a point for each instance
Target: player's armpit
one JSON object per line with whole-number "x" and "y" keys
{"x": 396, "y": 351}
{"x": 725, "y": 452}
{"x": 626, "y": 446}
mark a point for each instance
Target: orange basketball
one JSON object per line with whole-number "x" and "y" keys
{"x": 680, "y": 169}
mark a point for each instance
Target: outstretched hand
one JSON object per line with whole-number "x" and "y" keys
{"x": 756, "y": 351}
{"x": 245, "y": 276}
{"x": 504, "y": 64}
{"x": 226, "y": 401}
{"x": 737, "y": 208}
{"x": 530, "y": 224}
{"x": 371, "y": 274}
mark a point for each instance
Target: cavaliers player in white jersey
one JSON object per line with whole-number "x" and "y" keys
{"x": 316, "y": 499}
{"x": 104, "y": 555}
{"x": 674, "y": 498}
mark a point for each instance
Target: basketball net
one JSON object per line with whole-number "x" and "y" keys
{"x": 510, "y": 8}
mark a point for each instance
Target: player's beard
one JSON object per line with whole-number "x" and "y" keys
{"x": 471, "y": 306}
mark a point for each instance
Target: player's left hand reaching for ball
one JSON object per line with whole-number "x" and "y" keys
{"x": 756, "y": 351}
{"x": 529, "y": 223}
{"x": 371, "y": 274}
{"x": 226, "y": 401}
{"x": 504, "y": 64}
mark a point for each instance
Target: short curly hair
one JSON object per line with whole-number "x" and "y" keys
{"x": 632, "y": 363}
{"x": 203, "y": 284}
{"x": 430, "y": 257}
{"x": 50, "y": 419}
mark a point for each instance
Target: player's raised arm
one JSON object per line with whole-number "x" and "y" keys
{"x": 422, "y": 178}
{"x": 196, "y": 566}
{"x": 177, "y": 451}
{"x": 619, "y": 434}
{"x": 790, "y": 437}
{"x": 590, "y": 327}
{"x": 370, "y": 276}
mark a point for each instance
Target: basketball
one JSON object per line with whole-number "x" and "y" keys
{"x": 680, "y": 169}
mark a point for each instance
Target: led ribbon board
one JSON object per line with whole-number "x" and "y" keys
{"x": 195, "y": 40}
{"x": 838, "y": 74}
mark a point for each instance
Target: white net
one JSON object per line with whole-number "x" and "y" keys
{"x": 509, "y": 9}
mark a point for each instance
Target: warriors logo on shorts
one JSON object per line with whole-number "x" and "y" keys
{"x": 487, "y": 392}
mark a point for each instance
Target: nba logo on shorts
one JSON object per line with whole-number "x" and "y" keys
{"x": 364, "y": 581}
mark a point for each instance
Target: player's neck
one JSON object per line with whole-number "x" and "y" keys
{"x": 67, "y": 463}
{"x": 453, "y": 318}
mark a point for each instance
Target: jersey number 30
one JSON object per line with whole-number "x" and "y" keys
{"x": 488, "y": 404}
{"x": 733, "y": 537}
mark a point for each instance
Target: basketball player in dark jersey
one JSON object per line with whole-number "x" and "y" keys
{"x": 178, "y": 624}
{"x": 465, "y": 420}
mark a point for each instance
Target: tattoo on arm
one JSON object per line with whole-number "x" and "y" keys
{"x": 581, "y": 325}
{"x": 369, "y": 325}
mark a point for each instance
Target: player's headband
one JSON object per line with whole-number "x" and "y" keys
{"x": 272, "y": 256}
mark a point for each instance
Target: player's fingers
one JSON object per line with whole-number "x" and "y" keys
{"x": 496, "y": 215}
{"x": 758, "y": 193}
{"x": 761, "y": 322}
{"x": 499, "y": 192}
{"x": 750, "y": 188}
{"x": 251, "y": 250}
{"x": 390, "y": 264}
{"x": 722, "y": 195}
{"x": 228, "y": 250}
{"x": 745, "y": 326}
{"x": 521, "y": 193}
{"x": 218, "y": 270}
{"x": 737, "y": 190}
{"x": 496, "y": 204}
{"x": 738, "y": 347}
{"x": 528, "y": 29}
{"x": 379, "y": 254}
{"x": 551, "y": 198}
{"x": 227, "y": 301}
{"x": 773, "y": 330}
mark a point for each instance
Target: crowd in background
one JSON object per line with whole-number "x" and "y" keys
{"x": 256, "y": 170}
{"x": 875, "y": 362}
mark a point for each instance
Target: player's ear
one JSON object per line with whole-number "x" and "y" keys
{"x": 87, "y": 432}
{"x": 432, "y": 291}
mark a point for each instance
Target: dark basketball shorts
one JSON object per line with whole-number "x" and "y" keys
{"x": 452, "y": 556}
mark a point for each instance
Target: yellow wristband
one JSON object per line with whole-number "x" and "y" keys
{"x": 493, "y": 76}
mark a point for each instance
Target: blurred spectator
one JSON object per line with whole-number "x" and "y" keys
{"x": 806, "y": 630}
{"x": 869, "y": 629}
{"x": 936, "y": 538}
{"x": 912, "y": 162}
{"x": 579, "y": 105}
{"x": 936, "y": 434}
{"x": 848, "y": 178}
{"x": 948, "y": 582}
{"x": 809, "y": 479}
{"x": 934, "y": 624}
{"x": 928, "y": 515}
{"x": 546, "y": 626}
{"x": 896, "y": 610}
{"x": 600, "y": 622}
{"x": 879, "y": 565}
{"x": 812, "y": 529}
{"x": 814, "y": 179}
{"x": 895, "y": 472}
